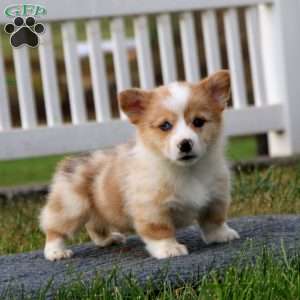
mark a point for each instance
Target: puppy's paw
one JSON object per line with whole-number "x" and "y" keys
{"x": 118, "y": 238}
{"x": 56, "y": 250}
{"x": 221, "y": 234}
{"x": 165, "y": 248}
{"x": 57, "y": 254}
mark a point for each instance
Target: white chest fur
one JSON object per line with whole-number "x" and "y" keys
{"x": 191, "y": 192}
{"x": 193, "y": 186}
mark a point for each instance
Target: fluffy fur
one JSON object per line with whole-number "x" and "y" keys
{"x": 150, "y": 186}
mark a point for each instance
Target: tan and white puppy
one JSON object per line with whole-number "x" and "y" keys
{"x": 172, "y": 175}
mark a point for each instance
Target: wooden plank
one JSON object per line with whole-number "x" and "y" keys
{"x": 103, "y": 8}
{"x": 269, "y": 53}
{"x": 189, "y": 47}
{"x": 84, "y": 137}
{"x": 120, "y": 54}
{"x": 255, "y": 48}
{"x": 166, "y": 48}
{"x": 120, "y": 57}
{"x": 106, "y": 46}
{"x": 280, "y": 34}
{"x": 66, "y": 139}
{"x": 97, "y": 65}
{"x": 211, "y": 41}
{"x": 233, "y": 42}
{"x": 144, "y": 54}
{"x": 253, "y": 120}
{"x": 73, "y": 72}
{"x": 24, "y": 85}
{"x": 5, "y": 119}
{"x": 49, "y": 78}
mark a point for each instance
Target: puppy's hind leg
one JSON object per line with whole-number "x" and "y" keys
{"x": 60, "y": 219}
{"x": 101, "y": 234}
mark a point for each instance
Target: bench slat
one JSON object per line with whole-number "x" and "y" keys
{"x": 211, "y": 41}
{"x": 5, "y": 120}
{"x": 189, "y": 47}
{"x": 166, "y": 48}
{"x": 73, "y": 72}
{"x": 269, "y": 53}
{"x": 92, "y": 135}
{"x": 49, "y": 78}
{"x": 120, "y": 56}
{"x": 105, "y": 8}
{"x": 254, "y": 44}
{"x": 97, "y": 65}
{"x": 233, "y": 42}
{"x": 24, "y": 85}
{"x": 144, "y": 54}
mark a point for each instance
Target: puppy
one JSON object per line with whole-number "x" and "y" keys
{"x": 172, "y": 175}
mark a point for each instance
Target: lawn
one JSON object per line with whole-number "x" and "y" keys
{"x": 275, "y": 190}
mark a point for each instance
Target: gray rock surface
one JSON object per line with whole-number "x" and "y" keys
{"x": 30, "y": 271}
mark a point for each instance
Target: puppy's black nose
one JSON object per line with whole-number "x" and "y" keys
{"x": 185, "y": 146}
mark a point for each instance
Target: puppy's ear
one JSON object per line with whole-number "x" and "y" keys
{"x": 218, "y": 87}
{"x": 133, "y": 103}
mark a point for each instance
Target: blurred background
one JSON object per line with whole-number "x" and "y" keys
{"x": 40, "y": 169}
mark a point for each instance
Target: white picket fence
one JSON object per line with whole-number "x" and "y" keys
{"x": 273, "y": 41}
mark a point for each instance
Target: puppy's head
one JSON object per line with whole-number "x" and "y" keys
{"x": 179, "y": 121}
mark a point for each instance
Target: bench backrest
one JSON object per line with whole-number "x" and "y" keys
{"x": 265, "y": 103}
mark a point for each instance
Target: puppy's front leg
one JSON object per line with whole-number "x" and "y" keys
{"x": 158, "y": 233}
{"x": 212, "y": 220}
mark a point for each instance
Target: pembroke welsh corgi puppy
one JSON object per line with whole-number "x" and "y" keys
{"x": 173, "y": 175}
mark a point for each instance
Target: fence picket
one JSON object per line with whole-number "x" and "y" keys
{"x": 235, "y": 58}
{"x": 97, "y": 65}
{"x": 73, "y": 72}
{"x": 24, "y": 85}
{"x": 166, "y": 48}
{"x": 189, "y": 47}
{"x": 144, "y": 54}
{"x": 49, "y": 78}
{"x": 211, "y": 41}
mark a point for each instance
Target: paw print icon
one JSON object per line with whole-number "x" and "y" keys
{"x": 24, "y": 32}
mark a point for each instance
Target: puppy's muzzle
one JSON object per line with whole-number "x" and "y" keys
{"x": 185, "y": 146}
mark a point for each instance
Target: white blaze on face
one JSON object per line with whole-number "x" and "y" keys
{"x": 177, "y": 103}
{"x": 178, "y": 99}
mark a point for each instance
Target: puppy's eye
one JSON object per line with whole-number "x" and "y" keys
{"x": 199, "y": 122}
{"x": 165, "y": 126}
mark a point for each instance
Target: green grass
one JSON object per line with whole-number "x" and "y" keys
{"x": 269, "y": 278}
{"x": 27, "y": 171}
{"x": 242, "y": 148}
{"x": 40, "y": 170}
